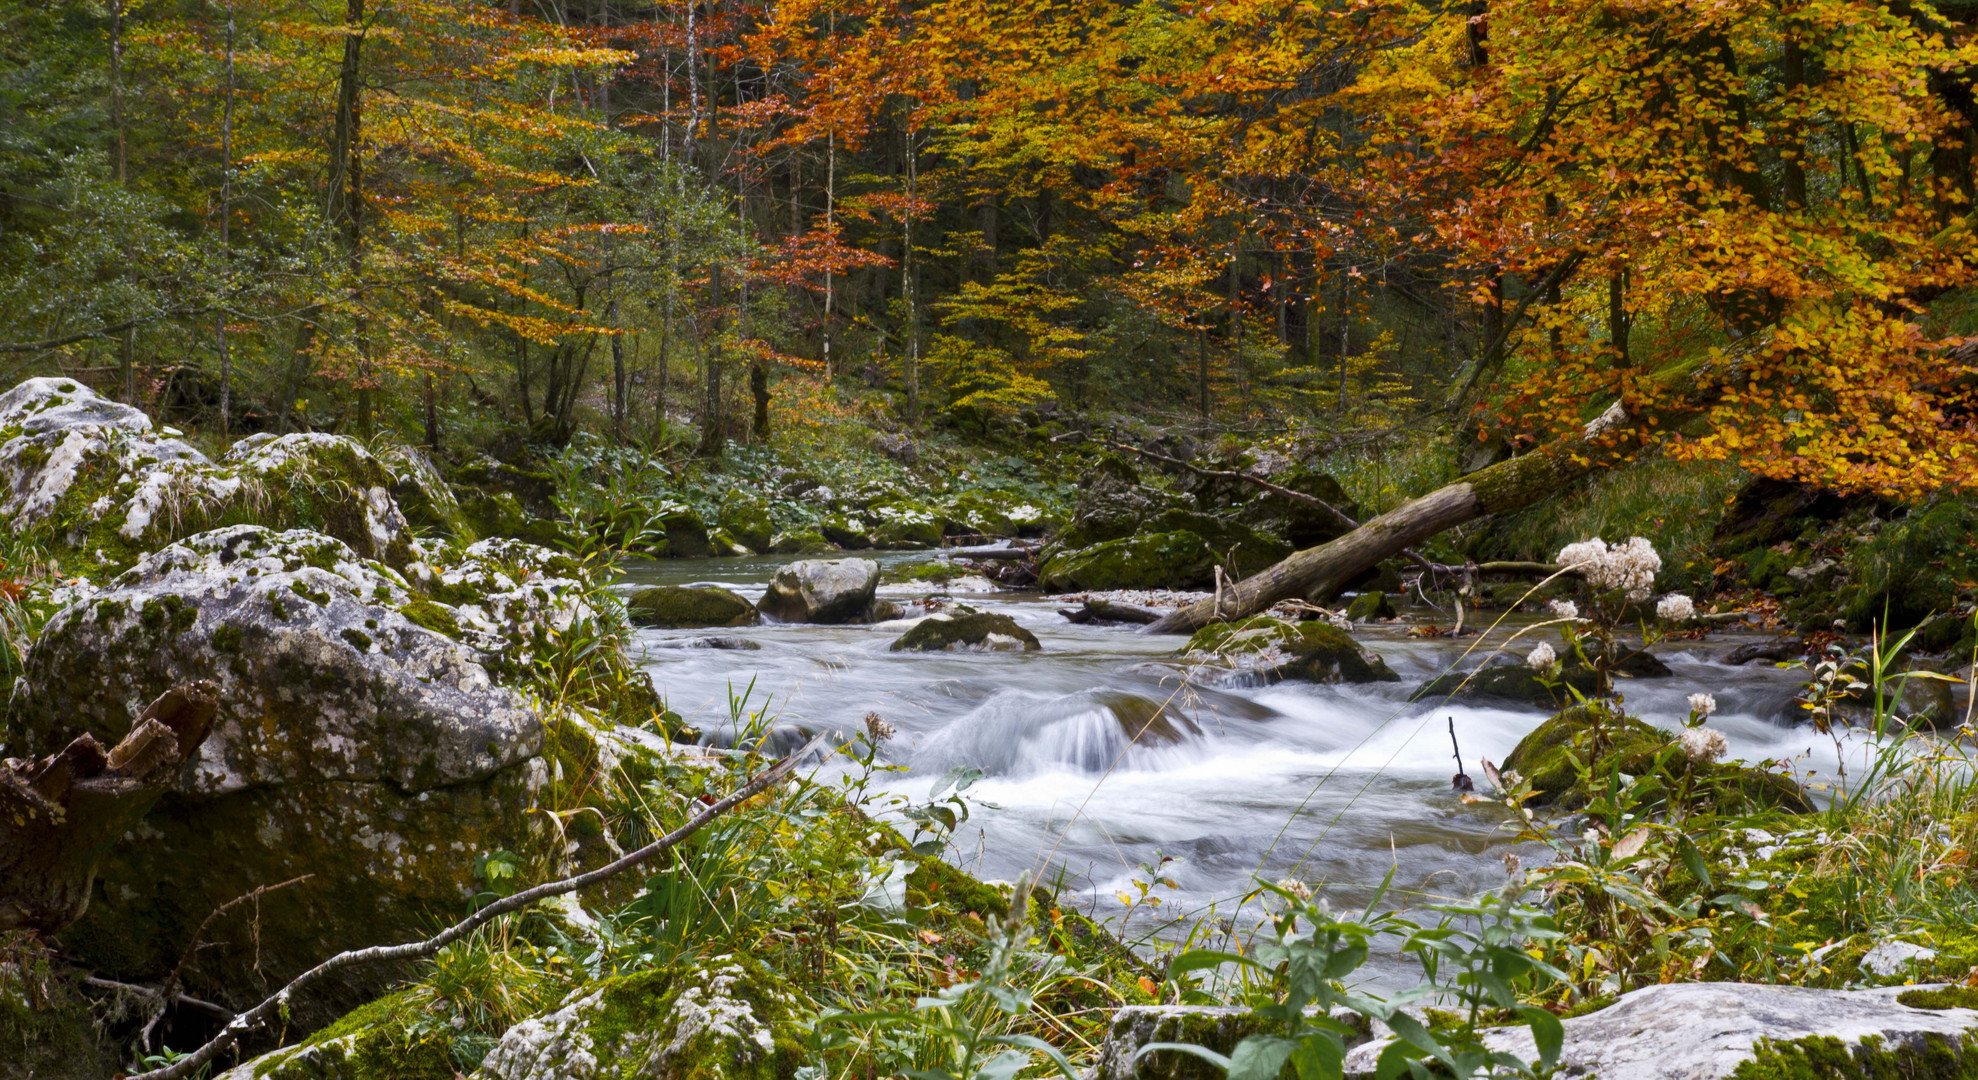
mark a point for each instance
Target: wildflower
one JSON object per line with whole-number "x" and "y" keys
{"x": 1703, "y": 745}
{"x": 1513, "y": 864}
{"x": 1298, "y": 889}
{"x": 1702, "y": 705}
{"x": 1541, "y": 657}
{"x": 1565, "y": 609}
{"x": 1675, "y": 607}
{"x": 1627, "y": 568}
{"x": 877, "y": 728}
{"x": 1510, "y": 779}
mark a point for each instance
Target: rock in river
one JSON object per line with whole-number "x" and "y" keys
{"x": 351, "y": 743}
{"x": 822, "y": 591}
{"x": 679, "y": 606}
{"x": 988, "y": 631}
{"x": 1309, "y": 651}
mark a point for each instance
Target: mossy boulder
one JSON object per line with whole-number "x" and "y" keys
{"x": 677, "y": 606}
{"x": 726, "y": 1018}
{"x": 1112, "y": 505}
{"x": 900, "y": 522}
{"x": 1278, "y": 649}
{"x": 326, "y": 483}
{"x": 981, "y": 630}
{"x": 392, "y": 1038}
{"x": 351, "y": 743}
{"x": 974, "y": 512}
{"x": 423, "y": 495}
{"x": 1240, "y": 548}
{"x": 1553, "y": 754}
{"x": 686, "y": 533}
{"x": 747, "y": 519}
{"x": 848, "y": 532}
{"x": 1369, "y": 606}
{"x": 822, "y": 591}
{"x": 1298, "y": 522}
{"x": 1177, "y": 560}
{"x": 800, "y": 542}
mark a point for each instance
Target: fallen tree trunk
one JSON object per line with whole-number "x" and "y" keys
{"x": 60, "y": 814}
{"x": 1320, "y": 571}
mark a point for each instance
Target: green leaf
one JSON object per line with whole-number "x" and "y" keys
{"x": 1693, "y": 860}
{"x": 1260, "y": 1057}
{"x": 1547, "y": 1032}
{"x": 1032, "y": 1042}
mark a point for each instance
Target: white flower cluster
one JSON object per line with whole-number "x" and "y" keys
{"x": 1628, "y": 568}
{"x": 1298, "y": 889}
{"x": 1564, "y": 609}
{"x": 1703, "y": 745}
{"x": 1675, "y": 608}
{"x": 1703, "y": 704}
{"x": 1541, "y": 657}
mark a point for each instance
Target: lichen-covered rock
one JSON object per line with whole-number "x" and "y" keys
{"x": 686, "y": 533}
{"x": 987, "y": 631}
{"x": 1174, "y": 560}
{"x": 725, "y": 1020}
{"x": 679, "y": 606}
{"x": 747, "y": 519}
{"x": 1277, "y": 650}
{"x": 321, "y": 677}
{"x": 1548, "y": 754}
{"x": 822, "y": 591}
{"x": 1713, "y": 1031}
{"x": 973, "y": 512}
{"x": 327, "y": 483}
{"x": 388, "y": 1039}
{"x": 351, "y": 744}
{"x": 848, "y": 532}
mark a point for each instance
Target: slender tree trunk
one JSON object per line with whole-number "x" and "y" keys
{"x": 759, "y": 390}
{"x": 226, "y": 224}
{"x": 118, "y": 152}
{"x": 432, "y": 415}
{"x": 617, "y": 372}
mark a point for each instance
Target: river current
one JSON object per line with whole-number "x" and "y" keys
{"x": 1334, "y": 785}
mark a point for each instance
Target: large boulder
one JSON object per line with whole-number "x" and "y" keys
{"x": 327, "y": 483}
{"x": 1297, "y": 521}
{"x": 983, "y": 630}
{"x": 422, "y": 494}
{"x": 1176, "y": 560}
{"x": 679, "y": 606}
{"x": 822, "y": 591}
{"x": 1552, "y": 756}
{"x": 1713, "y": 1031}
{"x": 900, "y": 522}
{"x": 352, "y": 744}
{"x": 1280, "y": 650}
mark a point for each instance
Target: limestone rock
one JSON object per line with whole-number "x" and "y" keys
{"x": 822, "y": 591}
{"x": 1705, "y": 1031}
{"x": 422, "y": 493}
{"x": 676, "y": 606}
{"x": 986, "y": 631}
{"x": 1546, "y": 754}
{"x": 328, "y": 483}
{"x": 1518, "y": 683}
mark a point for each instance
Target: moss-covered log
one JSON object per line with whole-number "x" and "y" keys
{"x": 1321, "y": 571}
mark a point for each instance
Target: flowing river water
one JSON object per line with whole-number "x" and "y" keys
{"x": 1332, "y": 784}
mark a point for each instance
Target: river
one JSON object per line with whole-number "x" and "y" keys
{"x": 1335, "y": 785}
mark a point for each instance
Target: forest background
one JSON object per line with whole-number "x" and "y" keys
{"x": 685, "y": 223}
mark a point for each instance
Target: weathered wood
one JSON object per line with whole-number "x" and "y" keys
{"x": 1320, "y": 571}
{"x": 60, "y": 814}
{"x": 1110, "y": 611}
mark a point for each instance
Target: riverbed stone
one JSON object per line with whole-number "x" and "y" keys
{"x": 680, "y": 606}
{"x": 1369, "y": 606}
{"x": 800, "y": 542}
{"x": 901, "y": 522}
{"x": 1174, "y": 560}
{"x": 981, "y": 630}
{"x": 1712, "y": 1031}
{"x": 747, "y": 519}
{"x": 1516, "y": 682}
{"x": 848, "y": 532}
{"x": 1278, "y": 649}
{"x": 1546, "y": 757}
{"x": 821, "y": 591}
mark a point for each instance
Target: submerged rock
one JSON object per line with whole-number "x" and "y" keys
{"x": 1547, "y": 757}
{"x": 678, "y": 606}
{"x": 1711, "y": 1031}
{"x": 1519, "y": 683}
{"x": 988, "y": 631}
{"x": 1276, "y": 649}
{"x": 822, "y": 591}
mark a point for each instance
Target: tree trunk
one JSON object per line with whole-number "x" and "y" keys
{"x": 759, "y": 390}
{"x": 60, "y": 814}
{"x": 1320, "y": 571}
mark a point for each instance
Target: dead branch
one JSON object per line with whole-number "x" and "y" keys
{"x": 262, "y": 1013}
{"x": 168, "y": 990}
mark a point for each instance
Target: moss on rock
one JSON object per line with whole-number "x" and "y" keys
{"x": 988, "y": 631}
{"x": 1175, "y": 560}
{"x": 1310, "y": 651}
{"x": 1553, "y": 755}
{"x": 676, "y": 606}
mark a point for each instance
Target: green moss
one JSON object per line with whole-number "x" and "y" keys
{"x": 1822, "y": 1057}
{"x": 1553, "y": 754}
{"x": 227, "y": 639}
{"x": 1174, "y": 560}
{"x": 674, "y": 606}
{"x": 1314, "y": 651}
{"x": 316, "y": 595}
{"x": 358, "y": 639}
{"x": 1948, "y": 997}
{"x": 435, "y": 617}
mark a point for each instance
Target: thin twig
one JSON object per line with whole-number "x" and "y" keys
{"x": 260, "y": 1014}
{"x": 221, "y": 1011}
{"x": 167, "y": 990}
